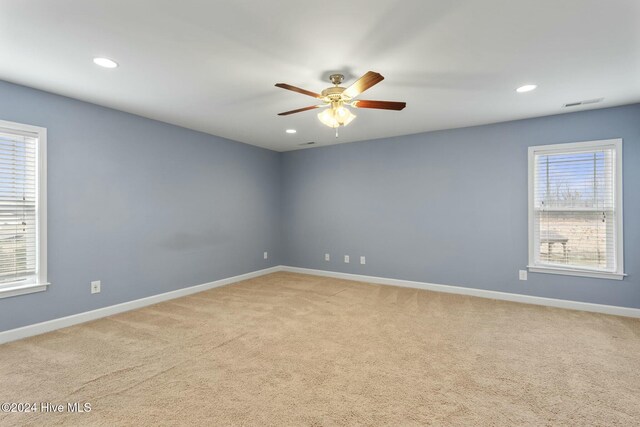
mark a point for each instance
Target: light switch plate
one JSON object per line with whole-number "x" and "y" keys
{"x": 95, "y": 287}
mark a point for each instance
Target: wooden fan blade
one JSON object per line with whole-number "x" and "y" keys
{"x": 380, "y": 105}
{"x": 299, "y": 110}
{"x": 299, "y": 90}
{"x": 363, "y": 83}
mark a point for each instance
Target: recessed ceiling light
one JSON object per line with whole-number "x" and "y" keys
{"x": 291, "y": 131}
{"x": 105, "y": 62}
{"x": 526, "y": 88}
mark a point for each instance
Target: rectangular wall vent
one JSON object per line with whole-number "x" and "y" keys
{"x": 585, "y": 102}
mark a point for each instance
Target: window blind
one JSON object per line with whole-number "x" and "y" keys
{"x": 18, "y": 206}
{"x": 575, "y": 209}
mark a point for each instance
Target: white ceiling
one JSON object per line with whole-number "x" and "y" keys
{"x": 212, "y": 65}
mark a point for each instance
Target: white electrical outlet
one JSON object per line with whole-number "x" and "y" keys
{"x": 363, "y": 261}
{"x": 95, "y": 287}
{"x": 266, "y": 255}
{"x": 346, "y": 259}
{"x": 523, "y": 274}
{"x": 327, "y": 257}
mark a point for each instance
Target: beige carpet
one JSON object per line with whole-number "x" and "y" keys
{"x": 290, "y": 349}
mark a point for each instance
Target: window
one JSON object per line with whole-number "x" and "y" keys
{"x": 575, "y": 209}
{"x": 23, "y": 239}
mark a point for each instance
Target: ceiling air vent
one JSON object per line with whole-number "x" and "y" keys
{"x": 308, "y": 143}
{"x": 585, "y": 102}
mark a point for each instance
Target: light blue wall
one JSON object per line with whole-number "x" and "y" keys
{"x": 148, "y": 207}
{"x": 449, "y": 207}
{"x": 144, "y": 206}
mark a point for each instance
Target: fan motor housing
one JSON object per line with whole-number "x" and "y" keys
{"x": 333, "y": 93}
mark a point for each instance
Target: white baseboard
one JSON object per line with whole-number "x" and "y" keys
{"x": 482, "y": 293}
{"x": 63, "y": 322}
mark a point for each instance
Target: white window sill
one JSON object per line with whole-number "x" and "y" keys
{"x": 12, "y": 291}
{"x": 576, "y": 272}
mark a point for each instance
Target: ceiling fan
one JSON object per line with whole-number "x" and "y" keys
{"x": 336, "y": 98}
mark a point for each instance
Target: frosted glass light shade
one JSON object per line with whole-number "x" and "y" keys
{"x": 335, "y": 117}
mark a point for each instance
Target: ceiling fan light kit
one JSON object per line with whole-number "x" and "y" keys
{"x": 337, "y": 98}
{"x": 336, "y": 116}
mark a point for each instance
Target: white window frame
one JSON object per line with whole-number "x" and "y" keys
{"x": 39, "y": 283}
{"x": 618, "y": 274}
